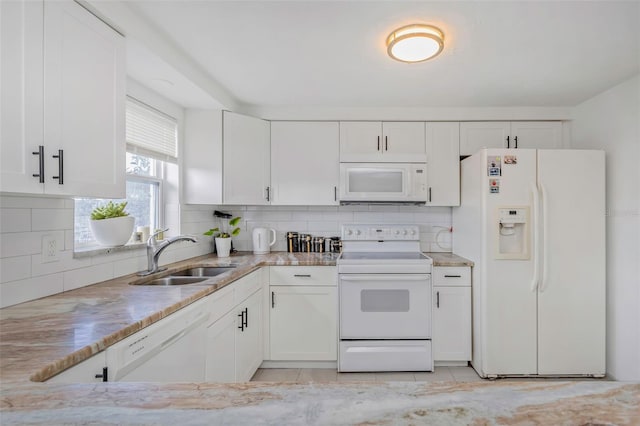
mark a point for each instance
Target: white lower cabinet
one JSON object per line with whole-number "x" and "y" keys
{"x": 234, "y": 340}
{"x": 304, "y": 314}
{"x": 451, "y": 314}
{"x": 89, "y": 370}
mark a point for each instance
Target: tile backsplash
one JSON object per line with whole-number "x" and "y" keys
{"x": 25, "y": 274}
{"x": 434, "y": 222}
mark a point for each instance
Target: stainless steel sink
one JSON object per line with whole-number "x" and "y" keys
{"x": 171, "y": 280}
{"x": 208, "y": 271}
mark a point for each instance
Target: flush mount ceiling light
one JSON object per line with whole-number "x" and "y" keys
{"x": 415, "y": 43}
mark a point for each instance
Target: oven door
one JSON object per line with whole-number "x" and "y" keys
{"x": 385, "y": 306}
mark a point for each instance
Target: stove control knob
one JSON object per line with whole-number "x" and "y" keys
{"x": 349, "y": 232}
{"x": 358, "y": 232}
{"x": 397, "y": 232}
{"x": 413, "y": 232}
{"x": 404, "y": 232}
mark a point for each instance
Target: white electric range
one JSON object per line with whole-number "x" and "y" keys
{"x": 385, "y": 300}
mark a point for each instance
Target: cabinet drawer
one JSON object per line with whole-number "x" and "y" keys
{"x": 303, "y": 275}
{"x": 452, "y": 276}
{"x": 246, "y": 286}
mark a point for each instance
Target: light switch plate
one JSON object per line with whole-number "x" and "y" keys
{"x": 49, "y": 249}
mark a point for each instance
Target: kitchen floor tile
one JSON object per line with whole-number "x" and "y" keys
{"x": 356, "y": 377}
{"x": 440, "y": 374}
{"x": 318, "y": 375}
{"x": 464, "y": 374}
{"x": 395, "y": 377}
{"x": 276, "y": 375}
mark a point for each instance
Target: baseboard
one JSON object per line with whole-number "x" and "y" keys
{"x": 451, "y": 363}
{"x": 300, "y": 364}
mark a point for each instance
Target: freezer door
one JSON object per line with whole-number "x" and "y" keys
{"x": 571, "y": 294}
{"x": 508, "y": 301}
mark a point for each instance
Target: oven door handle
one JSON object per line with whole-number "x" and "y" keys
{"x": 384, "y": 277}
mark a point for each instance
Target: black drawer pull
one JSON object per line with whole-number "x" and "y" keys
{"x": 453, "y": 276}
{"x": 302, "y": 275}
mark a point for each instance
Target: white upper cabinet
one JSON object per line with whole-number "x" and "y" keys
{"x": 536, "y": 134}
{"x": 304, "y": 163}
{"x": 246, "y": 160}
{"x": 374, "y": 141}
{"x": 202, "y": 157}
{"x": 475, "y": 135}
{"x": 71, "y": 110}
{"x": 443, "y": 164}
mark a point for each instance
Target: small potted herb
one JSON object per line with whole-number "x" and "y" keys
{"x": 223, "y": 238}
{"x": 111, "y": 225}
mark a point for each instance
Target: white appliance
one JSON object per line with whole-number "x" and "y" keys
{"x": 384, "y": 285}
{"x": 261, "y": 240}
{"x": 383, "y": 182}
{"x": 533, "y": 221}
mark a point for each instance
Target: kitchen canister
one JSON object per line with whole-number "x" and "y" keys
{"x": 317, "y": 244}
{"x": 292, "y": 242}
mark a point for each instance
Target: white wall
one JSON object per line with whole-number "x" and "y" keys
{"x": 611, "y": 121}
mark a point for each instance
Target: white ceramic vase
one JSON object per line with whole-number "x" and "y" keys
{"x": 112, "y": 232}
{"x": 223, "y": 246}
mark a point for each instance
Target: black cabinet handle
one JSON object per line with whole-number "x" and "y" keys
{"x": 516, "y": 142}
{"x": 60, "y": 158}
{"x": 241, "y": 326}
{"x": 429, "y": 194}
{"x": 507, "y": 141}
{"x": 335, "y": 193}
{"x": 437, "y": 299}
{"x": 273, "y": 299}
{"x": 246, "y": 317}
{"x": 105, "y": 374}
{"x": 40, "y": 154}
{"x": 453, "y": 276}
{"x": 386, "y": 143}
{"x": 378, "y": 143}
{"x": 302, "y": 275}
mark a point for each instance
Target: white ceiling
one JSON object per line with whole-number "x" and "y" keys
{"x": 332, "y": 53}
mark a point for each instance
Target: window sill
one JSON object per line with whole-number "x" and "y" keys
{"x": 97, "y": 250}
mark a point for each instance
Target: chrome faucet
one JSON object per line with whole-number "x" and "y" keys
{"x": 154, "y": 250}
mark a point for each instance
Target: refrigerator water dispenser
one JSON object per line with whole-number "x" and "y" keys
{"x": 513, "y": 233}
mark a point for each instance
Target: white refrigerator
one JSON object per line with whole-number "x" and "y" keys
{"x": 533, "y": 221}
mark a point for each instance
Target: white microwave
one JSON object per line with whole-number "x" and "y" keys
{"x": 383, "y": 183}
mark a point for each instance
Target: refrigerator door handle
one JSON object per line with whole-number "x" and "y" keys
{"x": 545, "y": 240}
{"x": 535, "y": 232}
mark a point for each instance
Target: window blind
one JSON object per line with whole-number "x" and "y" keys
{"x": 151, "y": 132}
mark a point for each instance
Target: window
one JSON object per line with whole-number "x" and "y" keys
{"x": 151, "y": 144}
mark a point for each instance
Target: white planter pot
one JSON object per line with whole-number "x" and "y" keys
{"x": 112, "y": 232}
{"x": 223, "y": 246}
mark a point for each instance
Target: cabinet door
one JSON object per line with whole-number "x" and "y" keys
{"x": 475, "y": 135}
{"x": 220, "y": 363}
{"x": 246, "y": 164}
{"x": 85, "y": 372}
{"x": 303, "y": 323}
{"x": 305, "y": 163}
{"x": 360, "y": 141}
{"x": 202, "y": 157}
{"x": 249, "y": 338}
{"x": 443, "y": 164}
{"x": 21, "y": 91}
{"x": 536, "y": 134}
{"x": 404, "y": 141}
{"x": 451, "y": 323}
{"x": 84, "y": 103}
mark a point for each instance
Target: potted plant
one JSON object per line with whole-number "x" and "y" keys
{"x": 223, "y": 238}
{"x": 111, "y": 225}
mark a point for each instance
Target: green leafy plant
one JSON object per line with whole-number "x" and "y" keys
{"x": 109, "y": 211}
{"x": 217, "y": 233}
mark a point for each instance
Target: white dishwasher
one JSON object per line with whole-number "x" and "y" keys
{"x": 171, "y": 350}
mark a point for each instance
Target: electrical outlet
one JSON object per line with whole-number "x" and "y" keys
{"x": 49, "y": 249}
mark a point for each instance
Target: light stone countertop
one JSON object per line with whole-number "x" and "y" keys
{"x": 40, "y": 338}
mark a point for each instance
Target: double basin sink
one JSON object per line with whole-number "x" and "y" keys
{"x": 188, "y": 276}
